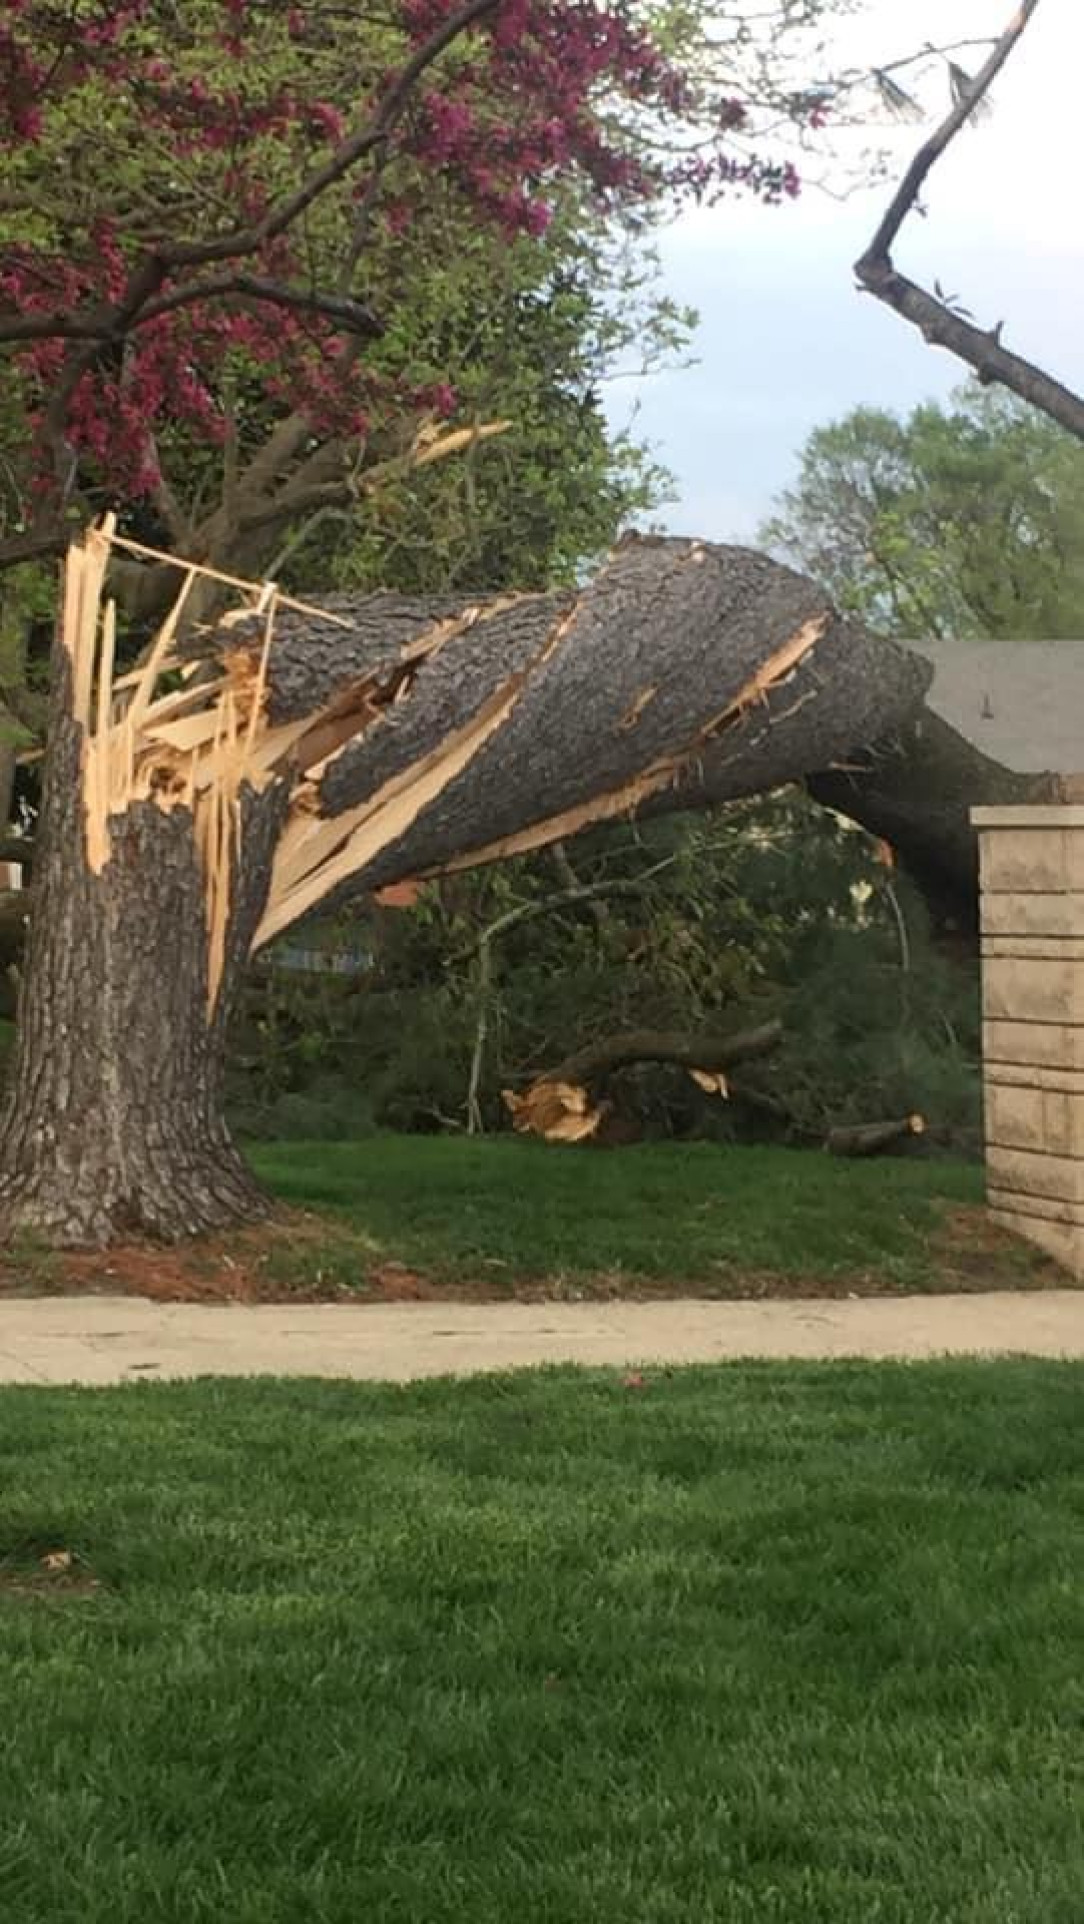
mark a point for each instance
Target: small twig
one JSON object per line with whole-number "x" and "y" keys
{"x": 901, "y": 928}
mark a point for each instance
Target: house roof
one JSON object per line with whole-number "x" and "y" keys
{"x": 1020, "y": 702}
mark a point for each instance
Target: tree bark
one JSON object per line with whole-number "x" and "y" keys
{"x": 915, "y": 789}
{"x": 113, "y": 1125}
{"x": 712, "y": 1053}
{"x": 309, "y": 753}
{"x": 14, "y": 911}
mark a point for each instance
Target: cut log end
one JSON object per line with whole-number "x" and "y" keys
{"x": 871, "y": 1138}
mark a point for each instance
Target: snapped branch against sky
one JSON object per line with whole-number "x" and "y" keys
{"x": 786, "y": 342}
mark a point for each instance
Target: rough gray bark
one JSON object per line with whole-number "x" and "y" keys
{"x": 113, "y": 1125}
{"x": 595, "y": 1062}
{"x": 915, "y": 788}
{"x": 650, "y": 698}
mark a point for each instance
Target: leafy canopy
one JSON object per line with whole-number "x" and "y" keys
{"x": 959, "y": 521}
{"x": 214, "y": 199}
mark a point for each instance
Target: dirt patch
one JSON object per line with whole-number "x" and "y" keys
{"x": 970, "y": 1250}
{"x": 300, "y": 1258}
{"x": 292, "y": 1258}
{"x": 51, "y": 1575}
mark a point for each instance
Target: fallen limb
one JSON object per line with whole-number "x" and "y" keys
{"x": 566, "y": 1104}
{"x": 870, "y": 1138}
{"x": 713, "y": 1054}
{"x": 526, "y": 911}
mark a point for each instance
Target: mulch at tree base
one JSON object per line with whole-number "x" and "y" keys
{"x": 298, "y": 1258}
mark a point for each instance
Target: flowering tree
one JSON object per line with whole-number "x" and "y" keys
{"x": 213, "y": 213}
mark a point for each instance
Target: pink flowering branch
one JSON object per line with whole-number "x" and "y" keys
{"x": 162, "y": 262}
{"x": 373, "y": 134}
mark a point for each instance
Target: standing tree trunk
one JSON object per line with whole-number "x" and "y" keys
{"x": 242, "y": 778}
{"x": 114, "y": 1125}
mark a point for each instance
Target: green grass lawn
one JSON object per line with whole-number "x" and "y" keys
{"x": 764, "y": 1644}
{"x": 501, "y": 1211}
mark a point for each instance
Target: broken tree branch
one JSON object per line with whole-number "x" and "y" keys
{"x": 870, "y": 1138}
{"x": 566, "y": 1104}
{"x": 713, "y": 1054}
{"x": 938, "y": 322}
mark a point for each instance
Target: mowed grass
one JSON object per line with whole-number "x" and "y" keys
{"x": 680, "y": 1214}
{"x": 764, "y": 1644}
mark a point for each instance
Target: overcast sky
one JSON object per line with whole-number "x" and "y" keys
{"x": 785, "y": 342}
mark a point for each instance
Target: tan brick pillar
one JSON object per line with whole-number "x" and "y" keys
{"x": 1031, "y": 866}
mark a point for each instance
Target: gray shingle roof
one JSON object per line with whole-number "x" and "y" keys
{"x": 1021, "y": 702}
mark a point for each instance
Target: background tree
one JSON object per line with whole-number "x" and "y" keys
{"x": 959, "y": 521}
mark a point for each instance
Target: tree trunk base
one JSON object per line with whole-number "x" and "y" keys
{"x": 63, "y": 1191}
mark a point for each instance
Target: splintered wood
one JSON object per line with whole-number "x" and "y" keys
{"x": 202, "y": 742}
{"x": 314, "y": 855}
{"x": 556, "y": 1111}
{"x": 780, "y": 667}
{"x": 197, "y": 738}
{"x": 560, "y": 1111}
{"x": 200, "y": 745}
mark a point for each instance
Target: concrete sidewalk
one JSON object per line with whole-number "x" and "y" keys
{"x": 117, "y": 1339}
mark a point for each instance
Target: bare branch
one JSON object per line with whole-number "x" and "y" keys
{"x": 351, "y": 315}
{"x": 100, "y": 325}
{"x": 34, "y": 544}
{"x": 938, "y": 323}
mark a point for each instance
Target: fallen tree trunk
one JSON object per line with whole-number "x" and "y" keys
{"x": 526, "y": 719}
{"x": 915, "y": 788}
{"x": 198, "y": 807}
{"x": 870, "y": 1138}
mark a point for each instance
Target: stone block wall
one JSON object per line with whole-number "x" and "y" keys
{"x": 1031, "y": 867}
